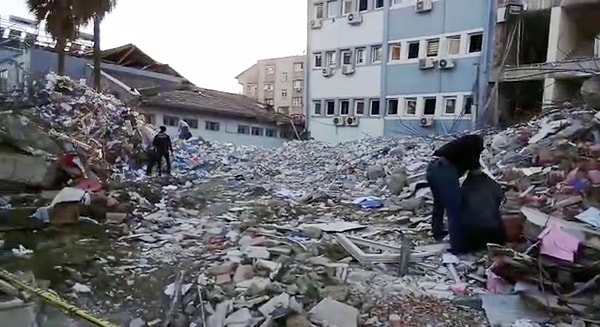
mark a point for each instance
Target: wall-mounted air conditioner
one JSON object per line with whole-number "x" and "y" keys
{"x": 426, "y": 121}
{"x": 352, "y": 121}
{"x": 426, "y": 63}
{"x": 315, "y": 23}
{"x": 338, "y": 121}
{"x": 446, "y": 63}
{"x": 327, "y": 71}
{"x": 347, "y": 69}
{"x": 423, "y": 6}
{"x": 354, "y": 18}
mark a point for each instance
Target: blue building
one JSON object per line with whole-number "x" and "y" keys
{"x": 397, "y": 67}
{"x": 158, "y": 91}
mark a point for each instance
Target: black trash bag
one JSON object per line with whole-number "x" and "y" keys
{"x": 481, "y": 220}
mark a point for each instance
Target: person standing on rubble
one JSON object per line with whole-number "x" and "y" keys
{"x": 450, "y": 162}
{"x": 163, "y": 149}
{"x": 184, "y": 130}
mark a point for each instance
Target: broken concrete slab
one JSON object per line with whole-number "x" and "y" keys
{"x": 335, "y": 313}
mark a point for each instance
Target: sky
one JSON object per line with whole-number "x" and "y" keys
{"x": 207, "y": 41}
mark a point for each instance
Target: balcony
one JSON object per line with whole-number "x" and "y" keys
{"x": 575, "y": 68}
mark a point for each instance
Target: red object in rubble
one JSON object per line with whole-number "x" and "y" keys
{"x": 67, "y": 160}
{"x": 89, "y": 185}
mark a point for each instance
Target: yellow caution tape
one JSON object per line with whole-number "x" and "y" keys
{"x": 53, "y": 299}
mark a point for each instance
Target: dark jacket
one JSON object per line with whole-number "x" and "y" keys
{"x": 463, "y": 153}
{"x": 162, "y": 143}
{"x": 481, "y": 198}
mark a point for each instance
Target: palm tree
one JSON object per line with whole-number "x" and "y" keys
{"x": 62, "y": 23}
{"x": 97, "y": 10}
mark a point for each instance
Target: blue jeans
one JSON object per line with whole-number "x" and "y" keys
{"x": 443, "y": 179}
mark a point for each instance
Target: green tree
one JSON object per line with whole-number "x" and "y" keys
{"x": 62, "y": 23}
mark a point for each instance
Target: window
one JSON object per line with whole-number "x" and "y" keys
{"x": 413, "y": 50}
{"x": 213, "y": 126}
{"x": 319, "y": 14}
{"x": 378, "y": 4}
{"x": 284, "y": 110}
{"x": 449, "y": 106}
{"x": 170, "y": 120}
{"x": 243, "y": 129}
{"x": 363, "y": 5}
{"x": 251, "y": 89}
{"x": 344, "y": 107}
{"x": 346, "y": 57}
{"x": 269, "y": 102}
{"x": 4, "y": 80}
{"x": 453, "y": 45}
{"x": 330, "y": 107}
{"x": 269, "y": 87}
{"x": 257, "y": 131}
{"x": 433, "y": 47}
{"x": 395, "y": 52}
{"x": 359, "y": 107}
{"x": 331, "y": 58}
{"x": 317, "y": 60}
{"x": 429, "y": 107}
{"x": 192, "y": 123}
{"x": 284, "y": 77}
{"x": 347, "y": 6}
{"x": 392, "y": 107}
{"x": 360, "y": 56}
{"x": 375, "y": 107}
{"x": 468, "y": 106}
{"x": 475, "y": 42}
{"x": 298, "y": 85}
{"x": 410, "y": 106}
{"x": 317, "y": 108}
{"x": 283, "y": 93}
{"x": 269, "y": 70}
{"x": 270, "y": 132}
{"x": 376, "y": 54}
{"x": 298, "y": 67}
{"x": 332, "y": 8}
{"x": 297, "y": 101}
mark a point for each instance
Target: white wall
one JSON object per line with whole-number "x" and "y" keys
{"x": 337, "y": 33}
{"x": 322, "y": 129}
{"x": 365, "y": 82}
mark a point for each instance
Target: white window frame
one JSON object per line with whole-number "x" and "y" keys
{"x": 407, "y": 46}
{"x": 371, "y": 101}
{"x": 362, "y": 57}
{"x": 331, "y": 59}
{"x": 405, "y": 109}
{"x": 340, "y": 104}
{"x": 325, "y": 108}
{"x": 464, "y": 105}
{"x": 269, "y": 87}
{"x": 320, "y": 58}
{"x": 356, "y": 102}
{"x": 358, "y": 5}
{"x": 314, "y": 108}
{"x": 435, "y": 110}
{"x": 469, "y": 36}
{"x": 446, "y": 100}
{"x": 330, "y": 6}
{"x": 298, "y": 64}
{"x": 448, "y": 42}
{"x": 283, "y": 110}
{"x": 319, "y": 14}
{"x": 284, "y": 94}
{"x": 398, "y": 46}
{"x": 269, "y": 69}
{"x": 347, "y": 7}
{"x": 387, "y": 107}
{"x": 374, "y": 50}
{"x": 298, "y": 85}
{"x": 346, "y": 52}
{"x": 297, "y": 102}
{"x": 284, "y": 77}
{"x": 428, "y": 43}
{"x": 375, "y": 4}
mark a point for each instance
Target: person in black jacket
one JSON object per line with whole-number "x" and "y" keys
{"x": 163, "y": 149}
{"x": 450, "y": 162}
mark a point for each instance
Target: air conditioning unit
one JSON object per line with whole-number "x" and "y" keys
{"x": 354, "y": 18}
{"x": 426, "y": 63}
{"x": 446, "y": 63}
{"x": 327, "y": 72}
{"x": 426, "y": 121}
{"x": 348, "y": 69}
{"x": 315, "y": 23}
{"x": 352, "y": 121}
{"x": 338, "y": 121}
{"x": 423, "y": 5}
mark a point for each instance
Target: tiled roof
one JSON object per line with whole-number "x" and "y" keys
{"x": 214, "y": 102}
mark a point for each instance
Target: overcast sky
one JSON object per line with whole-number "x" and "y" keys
{"x": 207, "y": 41}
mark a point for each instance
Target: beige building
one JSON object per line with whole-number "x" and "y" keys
{"x": 278, "y": 82}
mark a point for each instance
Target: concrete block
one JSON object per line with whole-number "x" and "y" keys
{"x": 23, "y": 169}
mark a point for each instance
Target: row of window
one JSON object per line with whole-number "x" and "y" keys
{"x": 296, "y": 101}
{"x": 298, "y": 68}
{"x": 403, "y": 50}
{"x": 451, "y": 105}
{"x": 334, "y": 8}
{"x": 298, "y": 86}
{"x": 215, "y": 126}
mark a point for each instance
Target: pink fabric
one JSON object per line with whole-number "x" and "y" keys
{"x": 558, "y": 244}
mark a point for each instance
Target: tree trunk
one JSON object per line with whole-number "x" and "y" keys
{"x": 60, "y": 51}
{"x": 97, "y": 52}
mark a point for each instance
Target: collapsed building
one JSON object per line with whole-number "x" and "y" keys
{"x": 546, "y": 54}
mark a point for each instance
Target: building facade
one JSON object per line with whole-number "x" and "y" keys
{"x": 396, "y": 67}
{"x": 276, "y": 82}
